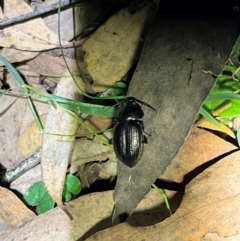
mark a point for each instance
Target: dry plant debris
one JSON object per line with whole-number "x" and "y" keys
{"x": 209, "y": 210}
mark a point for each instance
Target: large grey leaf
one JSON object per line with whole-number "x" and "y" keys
{"x": 173, "y": 77}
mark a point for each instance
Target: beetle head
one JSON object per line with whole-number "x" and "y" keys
{"x": 129, "y": 109}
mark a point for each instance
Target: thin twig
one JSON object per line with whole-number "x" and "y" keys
{"x": 37, "y": 13}
{"x": 22, "y": 167}
{"x": 23, "y": 96}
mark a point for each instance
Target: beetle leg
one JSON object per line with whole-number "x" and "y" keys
{"x": 144, "y": 140}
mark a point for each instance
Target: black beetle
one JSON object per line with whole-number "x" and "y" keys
{"x": 128, "y": 135}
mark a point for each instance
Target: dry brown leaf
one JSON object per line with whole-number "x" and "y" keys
{"x": 91, "y": 213}
{"x": 51, "y": 67}
{"x": 5, "y": 230}
{"x": 209, "y": 198}
{"x": 88, "y": 211}
{"x": 222, "y": 128}
{"x": 84, "y": 15}
{"x": 45, "y": 63}
{"x": 200, "y": 147}
{"x": 45, "y": 227}
{"x": 88, "y": 151}
{"x": 210, "y": 204}
{"x": 215, "y": 237}
{"x": 111, "y": 50}
{"x": 15, "y": 55}
{"x": 57, "y": 150}
{"x": 12, "y": 210}
{"x": 67, "y": 29}
{"x": 31, "y": 139}
{"x": 96, "y": 123}
{"x": 32, "y": 35}
{"x": 22, "y": 183}
{"x": 14, "y": 120}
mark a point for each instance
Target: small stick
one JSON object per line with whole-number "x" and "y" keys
{"x": 34, "y": 14}
{"x": 22, "y": 167}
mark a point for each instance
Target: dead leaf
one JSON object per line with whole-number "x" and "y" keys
{"x": 25, "y": 181}
{"x": 200, "y": 147}
{"x": 67, "y": 29}
{"x": 222, "y": 128}
{"x": 215, "y": 237}
{"x": 86, "y": 151}
{"x": 96, "y": 123}
{"x": 32, "y": 35}
{"x": 31, "y": 139}
{"x": 5, "y": 230}
{"x": 45, "y": 227}
{"x": 210, "y": 204}
{"x": 111, "y": 51}
{"x": 88, "y": 211}
{"x": 57, "y": 150}
{"x": 12, "y": 210}
{"x": 90, "y": 173}
{"x": 14, "y": 120}
{"x": 16, "y": 56}
{"x": 176, "y": 99}
{"x": 51, "y": 65}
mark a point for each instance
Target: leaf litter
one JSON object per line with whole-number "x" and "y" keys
{"x": 205, "y": 201}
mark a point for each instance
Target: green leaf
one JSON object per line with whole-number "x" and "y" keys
{"x": 223, "y": 78}
{"x": 220, "y": 87}
{"x": 230, "y": 68}
{"x": 235, "y": 51}
{"x": 46, "y": 204}
{"x": 37, "y": 195}
{"x": 230, "y": 86}
{"x": 232, "y": 111}
{"x": 224, "y": 96}
{"x": 214, "y": 105}
{"x": 119, "y": 88}
{"x": 67, "y": 196}
{"x": 72, "y": 184}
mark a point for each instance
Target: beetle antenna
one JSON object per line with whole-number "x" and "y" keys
{"x": 146, "y": 104}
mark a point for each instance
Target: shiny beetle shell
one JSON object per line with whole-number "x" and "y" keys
{"x": 129, "y": 141}
{"x": 128, "y": 136}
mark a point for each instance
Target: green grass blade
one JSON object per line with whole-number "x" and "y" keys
{"x": 162, "y": 193}
{"x": 74, "y": 116}
{"x": 208, "y": 117}
{"x": 86, "y": 108}
{"x": 25, "y": 90}
{"x": 3, "y": 93}
{"x": 224, "y": 96}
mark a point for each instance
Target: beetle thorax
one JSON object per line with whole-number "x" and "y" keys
{"x": 133, "y": 112}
